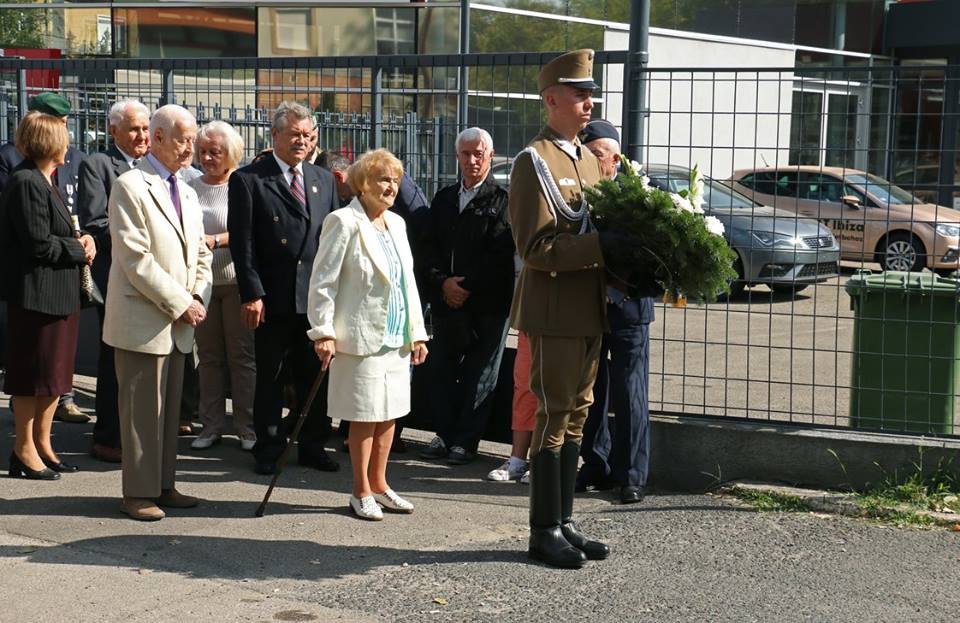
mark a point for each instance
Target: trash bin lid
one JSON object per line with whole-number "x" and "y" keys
{"x": 922, "y": 283}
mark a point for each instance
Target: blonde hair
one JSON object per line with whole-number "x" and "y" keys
{"x": 232, "y": 141}
{"x": 360, "y": 172}
{"x": 41, "y": 136}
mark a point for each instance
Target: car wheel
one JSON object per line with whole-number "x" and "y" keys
{"x": 903, "y": 252}
{"x": 788, "y": 288}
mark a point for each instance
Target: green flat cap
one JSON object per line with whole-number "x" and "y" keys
{"x": 50, "y": 103}
{"x": 574, "y": 69}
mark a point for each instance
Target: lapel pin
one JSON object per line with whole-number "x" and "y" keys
{"x": 313, "y": 189}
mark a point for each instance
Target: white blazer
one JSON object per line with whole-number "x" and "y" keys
{"x": 350, "y": 283}
{"x": 158, "y": 265}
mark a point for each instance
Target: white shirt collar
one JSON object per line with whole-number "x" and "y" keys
{"x": 570, "y": 148}
{"x": 285, "y": 168}
{"x": 466, "y": 195}
{"x": 128, "y": 157}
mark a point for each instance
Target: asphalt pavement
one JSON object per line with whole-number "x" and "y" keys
{"x": 67, "y": 553}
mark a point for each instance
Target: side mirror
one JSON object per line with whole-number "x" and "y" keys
{"x": 851, "y": 201}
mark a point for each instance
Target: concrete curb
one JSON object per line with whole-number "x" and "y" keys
{"x": 837, "y": 503}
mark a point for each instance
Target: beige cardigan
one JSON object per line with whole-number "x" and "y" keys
{"x": 350, "y": 283}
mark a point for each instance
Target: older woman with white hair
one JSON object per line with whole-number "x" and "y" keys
{"x": 223, "y": 343}
{"x": 364, "y": 308}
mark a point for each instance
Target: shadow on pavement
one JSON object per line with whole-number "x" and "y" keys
{"x": 214, "y": 557}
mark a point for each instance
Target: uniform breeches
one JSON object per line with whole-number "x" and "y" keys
{"x": 561, "y": 377}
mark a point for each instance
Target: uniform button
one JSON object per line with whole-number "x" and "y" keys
{"x": 283, "y": 241}
{"x": 276, "y": 219}
{"x": 553, "y": 273}
{"x": 596, "y": 265}
{"x": 299, "y": 262}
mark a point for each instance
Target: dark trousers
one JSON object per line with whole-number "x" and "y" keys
{"x": 464, "y": 377}
{"x": 282, "y": 349}
{"x": 190, "y": 398}
{"x": 622, "y": 387}
{"x": 106, "y": 430}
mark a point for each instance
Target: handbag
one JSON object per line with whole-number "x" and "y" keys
{"x": 89, "y": 292}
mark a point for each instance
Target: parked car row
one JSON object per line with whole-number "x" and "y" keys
{"x": 790, "y": 226}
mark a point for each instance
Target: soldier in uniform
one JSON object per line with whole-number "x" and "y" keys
{"x": 559, "y": 301}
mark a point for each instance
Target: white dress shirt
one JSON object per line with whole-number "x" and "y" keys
{"x": 285, "y": 169}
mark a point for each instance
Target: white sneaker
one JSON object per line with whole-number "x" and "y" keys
{"x": 525, "y": 479}
{"x": 247, "y": 444}
{"x": 393, "y": 502}
{"x": 510, "y": 470}
{"x": 204, "y": 441}
{"x": 366, "y": 508}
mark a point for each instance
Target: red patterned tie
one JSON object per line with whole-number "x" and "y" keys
{"x": 297, "y": 188}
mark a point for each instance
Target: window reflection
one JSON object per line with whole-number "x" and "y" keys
{"x": 170, "y": 32}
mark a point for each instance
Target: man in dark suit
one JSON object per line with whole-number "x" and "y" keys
{"x": 619, "y": 457}
{"x": 277, "y": 206}
{"x": 129, "y": 127}
{"x": 65, "y": 177}
{"x": 467, "y": 268}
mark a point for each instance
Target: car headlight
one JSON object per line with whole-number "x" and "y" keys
{"x": 782, "y": 241}
{"x": 950, "y": 230}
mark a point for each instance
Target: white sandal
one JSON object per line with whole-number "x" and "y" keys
{"x": 366, "y": 508}
{"x": 393, "y": 502}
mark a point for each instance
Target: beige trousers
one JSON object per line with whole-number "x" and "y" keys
{"x": 224, "y": 347}
{"x": 149, "y": 405}
{"x": 562, "y": 373}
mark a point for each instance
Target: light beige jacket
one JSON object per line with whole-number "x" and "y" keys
{"x": 158, "y": 266}
{"x": 350, "y": 283}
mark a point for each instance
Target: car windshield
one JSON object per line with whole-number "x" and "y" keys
{"x": 884, "y": 191}
{"x": 717, "y": 196}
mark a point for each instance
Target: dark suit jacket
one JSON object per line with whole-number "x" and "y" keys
{"x": 68, "y": 173}
{"x": 475, "y": 244}
{"x": 273, "y": 240}
{"x": 97, "y": 174}
{"x": 41, "y": 256}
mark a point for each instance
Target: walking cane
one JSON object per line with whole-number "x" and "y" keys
{"x": 293, "y": 438}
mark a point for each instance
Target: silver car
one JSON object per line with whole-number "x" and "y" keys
{"x": 775, "y": 248}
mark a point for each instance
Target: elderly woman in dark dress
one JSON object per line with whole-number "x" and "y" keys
{"x": 41, "y": 259}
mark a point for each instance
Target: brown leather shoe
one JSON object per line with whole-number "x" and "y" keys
{"x": 70, "y": 413}
{"x": 141, "y": 509}
{"x": 171, "y": 498}
{"x": 106, "y": 453}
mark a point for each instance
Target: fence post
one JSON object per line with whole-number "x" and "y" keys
{"x": 168, "y": 97}
{"x": 462, "y": 98}
{"x": 635, "y": 94}
{"x": 21, "y": 92}
{"x": 376, "y": 107}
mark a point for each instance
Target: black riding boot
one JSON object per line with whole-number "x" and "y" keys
{"x": 595, "y": 550}
{"x": 547, "y": 543}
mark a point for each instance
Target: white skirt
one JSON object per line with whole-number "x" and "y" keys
{"x": 375, "y": 388}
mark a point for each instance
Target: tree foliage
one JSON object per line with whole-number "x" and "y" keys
{"x": 21, "y": 28}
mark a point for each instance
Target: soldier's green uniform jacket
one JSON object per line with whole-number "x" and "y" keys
{"x": 561, "y": 289}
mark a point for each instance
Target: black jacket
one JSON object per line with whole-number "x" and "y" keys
{"x": 272, "y": 239}
{"x": 97, "y": 174}
{"x": 68, "y": 173}
{"x": 475, "y": 244}
{"x": 41, "y": 256}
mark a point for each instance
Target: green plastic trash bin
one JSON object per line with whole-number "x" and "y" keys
{"x": 906, "y": 340}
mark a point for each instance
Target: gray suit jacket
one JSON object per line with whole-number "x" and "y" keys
{"x": 97, "y": 174}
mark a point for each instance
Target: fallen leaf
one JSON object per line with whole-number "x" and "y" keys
{"x": 955, "y": 527}
{"x": 440, "y": 601}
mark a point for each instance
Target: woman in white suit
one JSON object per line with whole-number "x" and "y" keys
{"x": 364, "y": 308}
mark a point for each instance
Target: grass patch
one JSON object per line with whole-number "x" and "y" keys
{"x": 901, "y": 498}
{"x": 768, "y": 502}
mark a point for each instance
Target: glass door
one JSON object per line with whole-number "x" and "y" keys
{"x": 827, "y": 129}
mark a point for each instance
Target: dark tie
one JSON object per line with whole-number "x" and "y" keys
{"x": 175, "y": 195}
{"x": 134, "y": 162}
{"x": 297, "y": 188}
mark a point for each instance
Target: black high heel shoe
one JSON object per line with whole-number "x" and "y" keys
{"x": 63, "y": 468}
{"x": 19, "y": 470}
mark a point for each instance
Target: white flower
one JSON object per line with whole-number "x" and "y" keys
{"x": 637, "y": 167}
{"x": 714, "y": 225}
{"x": 681, "y": 202}
{"x": 695, "y": 194}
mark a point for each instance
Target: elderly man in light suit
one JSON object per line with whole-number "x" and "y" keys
{"x": 160, "y": 283}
